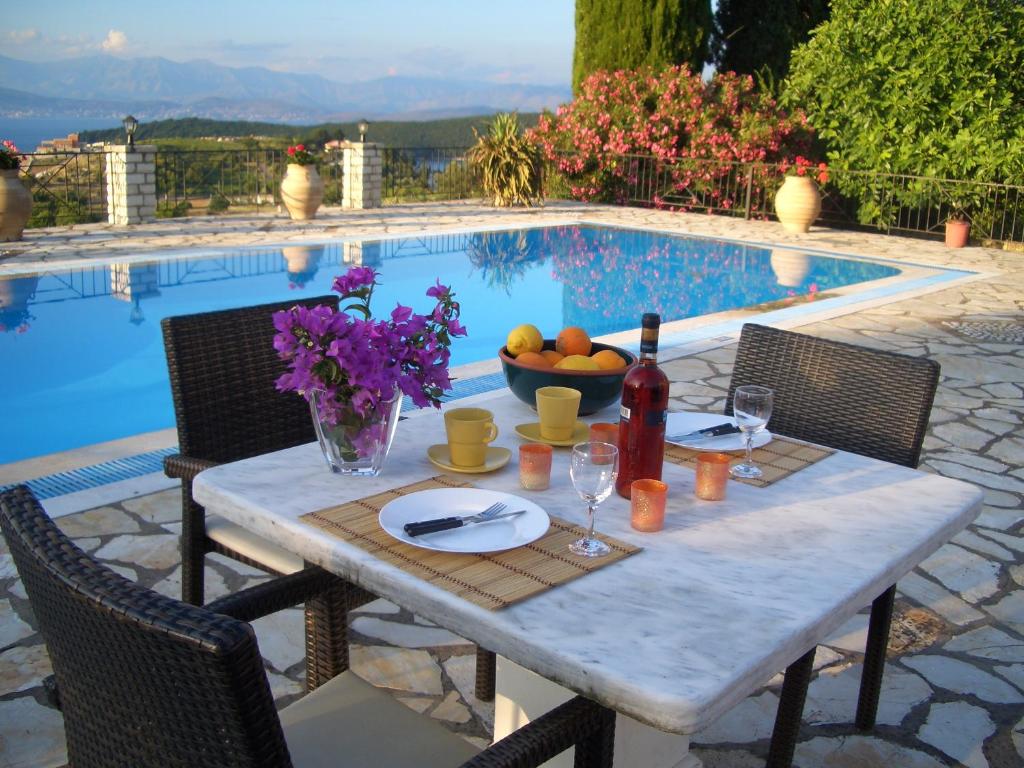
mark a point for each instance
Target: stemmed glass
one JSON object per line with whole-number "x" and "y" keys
{"x": 752, "y": 407}
{"x": 593, "y": 469}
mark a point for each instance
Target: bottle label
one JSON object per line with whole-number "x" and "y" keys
{"x": 624, "y": 412}
{"x": 656, "y": 418}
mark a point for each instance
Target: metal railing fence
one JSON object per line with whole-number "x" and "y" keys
{"x": 862, "y": 200}
{"x": 197, "y": 182}
{"x": 66, "y": 187}
{"x": 427, "y": 173}
{"x": 69, "y": 188}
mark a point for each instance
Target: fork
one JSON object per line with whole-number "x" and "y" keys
{"x": 445, "y": 523}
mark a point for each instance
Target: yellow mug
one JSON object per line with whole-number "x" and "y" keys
{"x": 557, "y": 408}
{"x": 469, "y": 431}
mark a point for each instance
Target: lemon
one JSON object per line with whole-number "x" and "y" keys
{"x": 524, "y": 338}
{"x": 578, "y": 363}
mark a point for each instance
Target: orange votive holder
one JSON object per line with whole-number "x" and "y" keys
{"x": 535, "y": 466}
{"x": 604, "y": 432}
{"x": 647, "y": 505}
{"x": 712, "y": 475}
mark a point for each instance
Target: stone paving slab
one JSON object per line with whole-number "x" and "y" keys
{"x": 954, "y": 694}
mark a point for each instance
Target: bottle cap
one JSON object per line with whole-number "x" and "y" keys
{"x": 650, "y": 320}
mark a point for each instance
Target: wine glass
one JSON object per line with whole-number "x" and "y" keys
{"x": 593, "y": 469}
{"x": 752, "y": 407}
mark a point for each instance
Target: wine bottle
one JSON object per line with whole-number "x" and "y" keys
{"x": 642, "y": 413}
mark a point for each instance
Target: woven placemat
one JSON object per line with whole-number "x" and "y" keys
{"x": 778, "y": 459}
{"x": 489, "y": 580}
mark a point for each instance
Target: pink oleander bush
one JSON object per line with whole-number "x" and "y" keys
{"x": 694, "y": 130}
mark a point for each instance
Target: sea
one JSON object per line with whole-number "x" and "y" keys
{"x": 28, "y": 132}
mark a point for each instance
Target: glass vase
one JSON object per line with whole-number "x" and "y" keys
{"x": 357, "y": 445}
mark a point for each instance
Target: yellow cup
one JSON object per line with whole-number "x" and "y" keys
{"x": 469, "y": 431}
{"x": 557, "y": 408}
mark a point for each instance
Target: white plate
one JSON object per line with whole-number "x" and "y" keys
{"x": 682, "y": 422}
{"x": 458, "y": 502}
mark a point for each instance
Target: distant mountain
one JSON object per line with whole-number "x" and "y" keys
{"x": 156, "y": 88}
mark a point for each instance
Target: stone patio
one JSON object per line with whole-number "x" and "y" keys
{"x": 954, "y": 687}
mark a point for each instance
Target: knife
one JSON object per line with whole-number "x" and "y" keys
{"x": 447, "y": 523}
{"x": 700, "y": 434}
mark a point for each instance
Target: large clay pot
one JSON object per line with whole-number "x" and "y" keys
{"x": 958, "y": 232}
{"x": 15, "y": 205}
{"x": 797, "y": 203}
{"x": 302, "y": 191}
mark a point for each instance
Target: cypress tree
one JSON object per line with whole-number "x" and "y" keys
{"x": 755, "y": 37}
{"x": 626, "y": 34}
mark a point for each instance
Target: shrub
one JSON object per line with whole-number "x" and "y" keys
{"x": 695, "y": 130}
{"x": 920, "y": 88}
{"x": 509, "y": 163}
{"x": 218, "y": 203}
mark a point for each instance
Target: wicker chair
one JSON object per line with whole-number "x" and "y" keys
{"x": 856, "y": 399}
{"x": 222, "y": 368}
{"x": 146, "y": 681}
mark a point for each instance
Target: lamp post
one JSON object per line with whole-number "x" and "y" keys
{"x": 130, "y": 126}
{"x": 363, "y": 128}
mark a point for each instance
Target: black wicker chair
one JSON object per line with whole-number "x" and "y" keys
{"x": 222, "y": 368}
{"x": 856, "y": 399}
{"x": 147, "y": 681}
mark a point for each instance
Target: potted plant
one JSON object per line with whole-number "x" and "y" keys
{"x": 509, "y": 163}
{"x": 798, "y": 201}
{"x": 302, "y": 189}
{"x": 15, "y": 200}
{"x": 958, "y": 229}
{"x": 353, "y": 369}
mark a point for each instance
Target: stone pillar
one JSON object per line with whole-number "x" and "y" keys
{"x": 131, "y": 184}
{"x": 361, "y": 175}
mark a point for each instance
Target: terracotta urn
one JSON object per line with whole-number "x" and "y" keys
{"x": 302, "y": 191}
{"x": 15, "y": 205}
{"x": 797, "y": 203}
{"x": 790, "y": 267}
{"x": 958, "y": 232}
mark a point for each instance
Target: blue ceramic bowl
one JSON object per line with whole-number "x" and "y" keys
{"x": 599, "y": 389}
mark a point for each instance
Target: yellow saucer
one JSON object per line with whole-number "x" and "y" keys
{"x": 531, "y": 432}
{"x": 496, "y": 458}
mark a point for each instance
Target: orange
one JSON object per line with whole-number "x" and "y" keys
{"x": 608, "y": 359}
{"x": 552, "y": 356}
{"x": 533, "y": 359}
{"x": 524, "y": 338}
{"x": 577, "y": 363}
{"x": 573, "y": 341}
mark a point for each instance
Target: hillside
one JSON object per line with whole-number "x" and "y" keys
{"x": 448, "y": 132}
{"x": 156, "y": 88}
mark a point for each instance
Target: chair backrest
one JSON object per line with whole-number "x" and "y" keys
{"x": 143, "y": 680}
{"x": 849, "y": 397}
{"x": 222, "y": 367}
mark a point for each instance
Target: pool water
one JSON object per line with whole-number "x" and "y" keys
{"x": 83, "y": 356}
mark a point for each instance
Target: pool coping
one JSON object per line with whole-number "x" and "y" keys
{"x": 105, "y": 482}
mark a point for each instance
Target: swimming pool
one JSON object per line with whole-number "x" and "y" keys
{"x": 83, "y": 357}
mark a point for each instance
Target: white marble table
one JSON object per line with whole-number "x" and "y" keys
{"x": 727, "y": 595}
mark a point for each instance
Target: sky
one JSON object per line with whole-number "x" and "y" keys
{"x": 528, "y": 41}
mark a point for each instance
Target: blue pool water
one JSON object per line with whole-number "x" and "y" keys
{"x": 83, "y": 359}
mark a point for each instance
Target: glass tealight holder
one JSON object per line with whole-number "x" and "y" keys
{"x": 647, "y": 505}
{"x": 535, "y": 466}
{"x": 604, "y": 432}
{"x": 712, "y": 476}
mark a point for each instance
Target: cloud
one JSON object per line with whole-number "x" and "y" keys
{"x": 22, "y": 36}
{"x": 115, "y": 42}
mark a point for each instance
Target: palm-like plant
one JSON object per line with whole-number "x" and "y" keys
{"x": 509, "y": 163}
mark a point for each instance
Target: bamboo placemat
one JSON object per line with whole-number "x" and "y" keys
{"x": 778, "y": 459}
{"x": 489, "y": 580}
